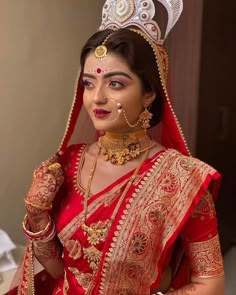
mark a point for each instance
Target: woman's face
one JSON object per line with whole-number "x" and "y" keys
{"x": 109, "y": 83}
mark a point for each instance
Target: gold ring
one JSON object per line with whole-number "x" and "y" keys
{"x": 54, "y": 167}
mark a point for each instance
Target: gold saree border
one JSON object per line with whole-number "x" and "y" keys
{"x": 26, "y": 287}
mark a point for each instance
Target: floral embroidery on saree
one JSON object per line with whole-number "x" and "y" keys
{"x": 74, "y": 249}
{"x": 205, "y": 207}
{"x": 205, "y": 258}
{"x": 83, "y": 279}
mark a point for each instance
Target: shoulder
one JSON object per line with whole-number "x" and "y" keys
{"x": 191, "y": 162}
{"x": 189, "y": 165}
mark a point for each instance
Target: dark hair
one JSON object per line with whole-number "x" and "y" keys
{"x": 138, "y": 54}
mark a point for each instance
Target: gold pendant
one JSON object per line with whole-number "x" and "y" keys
{"x": 119, "y": 157}
{"x": 93, "y": 255}
{"x": 97, "y": 232}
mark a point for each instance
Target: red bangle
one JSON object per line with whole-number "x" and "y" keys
{"x": 46, "y": 234}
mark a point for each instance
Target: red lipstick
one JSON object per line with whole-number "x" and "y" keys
{"x": 100, "y": 113}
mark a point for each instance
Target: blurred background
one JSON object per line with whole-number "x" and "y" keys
{"x": 40, "y": 43}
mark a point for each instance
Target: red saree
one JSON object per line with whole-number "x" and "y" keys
{"x": 168, "y": 200}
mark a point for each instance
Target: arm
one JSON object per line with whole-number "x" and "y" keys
{"x": 48, "y": 253}
{"x": 202, "y": 248}
{"x": 39, "y": 226}
{"x": 200, "y": 286}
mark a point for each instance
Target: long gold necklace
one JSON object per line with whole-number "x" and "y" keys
{"x": 97, "y": 232}
{"x": 121, "y": 148}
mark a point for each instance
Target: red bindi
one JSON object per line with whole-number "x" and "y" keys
{"x": 99, "y": 70}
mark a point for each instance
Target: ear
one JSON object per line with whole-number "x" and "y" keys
{"x": 149, "y": 97}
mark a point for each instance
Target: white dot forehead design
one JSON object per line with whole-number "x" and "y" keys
{"x": 99, "y": 70}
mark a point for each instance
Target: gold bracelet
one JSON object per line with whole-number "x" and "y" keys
{"x": 44, "y": 208}
{"x": 25, "y": 223}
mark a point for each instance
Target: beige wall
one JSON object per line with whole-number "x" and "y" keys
{"x": 40, "y": 42}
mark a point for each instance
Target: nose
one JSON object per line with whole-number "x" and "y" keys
{"x": 99, "y": 97}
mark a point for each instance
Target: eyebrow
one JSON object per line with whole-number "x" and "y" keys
{"x": 108, "y": 75}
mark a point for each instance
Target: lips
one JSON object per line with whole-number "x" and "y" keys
{"x": 100, "y": 113}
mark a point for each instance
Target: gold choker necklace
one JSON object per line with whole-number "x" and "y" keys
{"x": 121, "y": 148}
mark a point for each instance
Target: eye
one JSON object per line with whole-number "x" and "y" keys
{"x": 116, "y": 84}
{"x": 87, "y": 84}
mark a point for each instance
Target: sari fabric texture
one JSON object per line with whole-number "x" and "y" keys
{"x": 169, "y": 202}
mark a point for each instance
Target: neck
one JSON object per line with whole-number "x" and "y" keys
{"x": 121, "y": 148}
{"x": 124, "y": 136}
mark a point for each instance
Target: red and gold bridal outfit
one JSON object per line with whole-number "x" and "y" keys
{"x": 168, "y": 209}
{"x": 169, "y": 199}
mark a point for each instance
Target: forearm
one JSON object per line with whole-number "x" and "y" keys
{"x": 49, "y": 256}
{"x": 48, "y": 253}
{"x": 212, "y": 286}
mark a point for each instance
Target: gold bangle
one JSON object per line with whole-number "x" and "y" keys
{"x": 26, "y": 230}
{"x": 44, "y": 208}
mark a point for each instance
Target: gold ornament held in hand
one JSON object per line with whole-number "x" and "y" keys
{"x": 54, "y": 167}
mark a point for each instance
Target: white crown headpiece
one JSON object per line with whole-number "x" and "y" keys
{"x": 118, "y": 14}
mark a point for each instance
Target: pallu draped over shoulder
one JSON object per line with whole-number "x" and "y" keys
{"x": 167, "y": 217}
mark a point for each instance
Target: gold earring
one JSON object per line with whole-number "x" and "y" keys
{"x": 145, "y": 117}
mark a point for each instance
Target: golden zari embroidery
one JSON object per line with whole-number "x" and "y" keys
{"x": 83, "y": 279}
{"x": 74, "y": 249}
{"x": 205, "y": 207}
{"x": 65, "y": 285}
{"x": 205, "y": 258}
{"x": 27, "y": 284}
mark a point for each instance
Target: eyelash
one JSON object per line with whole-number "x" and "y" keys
{"x": 88, "y": 84}
{"x": 118, "y": 84}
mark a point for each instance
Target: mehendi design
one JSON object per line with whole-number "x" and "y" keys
{"x": 186, "y": 290}
{"x": 37, "y": 222}
{"x": 44, "y": 187}
{"x": 47, "y": 251}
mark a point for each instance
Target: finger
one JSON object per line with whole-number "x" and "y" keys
{"x": 60, "y": 180}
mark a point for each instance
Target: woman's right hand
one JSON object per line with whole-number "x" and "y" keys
{"x": 47, "y": 179}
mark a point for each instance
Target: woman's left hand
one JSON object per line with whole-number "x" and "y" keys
{"x": 47, "y": 179}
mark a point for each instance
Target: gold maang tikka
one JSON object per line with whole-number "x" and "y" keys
{"x": 100, "y": 51}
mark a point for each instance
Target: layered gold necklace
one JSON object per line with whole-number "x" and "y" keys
{"x": 121, "y": 148}
{"x": 97, "y": 232}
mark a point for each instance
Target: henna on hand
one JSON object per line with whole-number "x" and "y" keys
{"x": 186, "y": 290}
{"x": 45, "y": 185}
{"x": 47, "y": 251}
{"x": 38, "y": 221}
